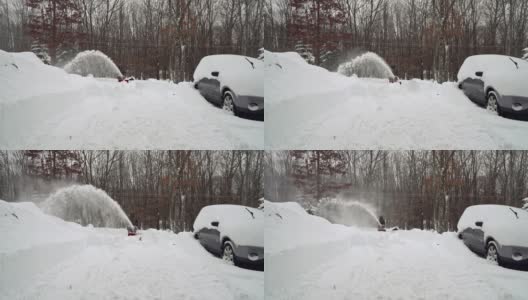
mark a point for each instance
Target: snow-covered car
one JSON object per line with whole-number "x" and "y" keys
{"x": 234, "y": 82}
{"x": 234, "y": 232}
{"x": 498, "y": 82}
{"x": 498, "y": 232}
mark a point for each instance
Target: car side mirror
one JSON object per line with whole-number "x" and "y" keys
{"x": 479, "y": 223}
{"x": 214, "y": 223}
{"x": 479, "y": 74}
{"x": 215, "y": 73}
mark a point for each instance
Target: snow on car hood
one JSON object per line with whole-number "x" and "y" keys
{"x": 499, "y": 222}
{"x": 243, "y": 225}
{"x": 243, "y": 75}
{"x": 500, "y": 72}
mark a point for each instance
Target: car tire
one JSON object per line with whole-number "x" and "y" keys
{"x": 492, "y": 103}
{"x": 228, "y": 254}
{"x": 228, "y": 102}
{"x": 492, "y": 253}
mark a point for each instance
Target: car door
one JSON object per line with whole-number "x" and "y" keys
{"x": 473, "y": 88}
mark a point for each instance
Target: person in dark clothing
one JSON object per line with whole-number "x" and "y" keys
{"x": 381, "y": 225}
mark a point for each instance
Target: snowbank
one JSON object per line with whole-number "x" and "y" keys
{"x": 93, "y": 62}
{"x": 23, "y": 225}
{"x": 368, "y": 64}
{"x": 85, "y": 204}
{"x": 289, "y": 226}
{"x": 242, "y": 74}
{"x": 243, "y": 225}
{"x": 23, "y": 75}
{"x": 506, "y": 224}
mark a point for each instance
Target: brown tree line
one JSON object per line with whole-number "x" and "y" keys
{"x": 419, "y": 38}
{"x": 146, "y": 38}
{"x": 413, "y": 189}
{"x": 158, "y": 189}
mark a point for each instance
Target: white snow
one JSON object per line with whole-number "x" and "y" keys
{"x": 43, "y": 257}
{"x": 242, "y": 74}
{"x": 43, "y": 107}
{"x": 366, "y": 264}
{"x": 235, "y": 222}
{"x": 499, "y": 222}
{"x": 93, "y": 62}
{"x": 525, "y": 203}
{"x": 368, "y": 64}
{"x": 308, "y": 107}
{"x": 499, "y": 72}
{"x": 86, "y": 204}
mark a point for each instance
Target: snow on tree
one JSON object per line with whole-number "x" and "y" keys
{"x": 53, "y": 24}
{"x": 368, "y": 64}
{"x": 525, "y": 203}
{"x": 93, "y": 62}
{"x": 86, "y": 204}
{"x": 525, "y": 53}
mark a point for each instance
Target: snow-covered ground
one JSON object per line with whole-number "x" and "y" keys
{"x": 44, "y": 257}
{"x": 43, "y": 107}
{"x": 308, "y": 107}
{"x": 309, "y": 258}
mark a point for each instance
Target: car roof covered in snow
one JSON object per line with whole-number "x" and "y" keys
{"x": 242, "y": 224}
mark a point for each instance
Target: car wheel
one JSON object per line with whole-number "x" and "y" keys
{"x": 492, "y": 103}
{"x": 196, "y": 86}
{"x": 228, "y": 103}
{"x": 492, "y": 255}
{"x": 228, "y": 255}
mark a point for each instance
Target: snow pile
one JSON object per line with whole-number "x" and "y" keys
{"x": 525, "y": 203}
{"x": 506, "y": 224}
{"x": 23, "y": 75}
{"x": 368, "y": 64}
{"x": 243, "y": 225}
{"x": 506, "y": 74}
{"x": 289, "y": 226}
{"x": 85, "y": 204}
{"x": 241, "y": 74}
{"x": 93, "y": 62}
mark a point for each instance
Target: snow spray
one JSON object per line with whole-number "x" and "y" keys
{"x": 86, "y": 204}
{"x": 336, "y": 210}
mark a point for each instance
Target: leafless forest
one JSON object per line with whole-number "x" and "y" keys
{"x": 413, "y": 189}
{"x": 161, "y": 39}
{"x": 419, "y": 38}
{"x": 157, "y": 189}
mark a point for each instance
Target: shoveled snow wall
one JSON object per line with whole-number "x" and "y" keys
{"x": 93, "y": 62}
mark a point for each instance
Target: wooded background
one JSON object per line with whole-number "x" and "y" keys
{"x": 419, "y": 38}
{"x": 412, "y": 189}
{"x": 162, "y": 39}
{"x": 156, "y": 189}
